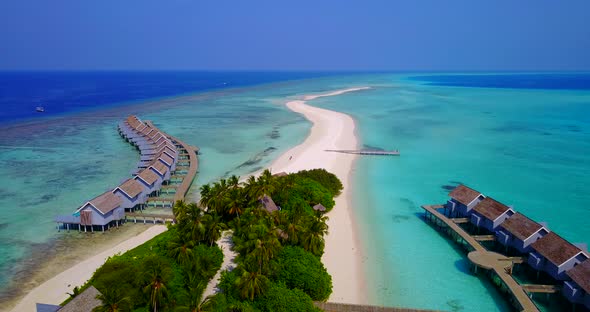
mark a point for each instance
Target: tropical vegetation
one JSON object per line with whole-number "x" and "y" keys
{"x": 278, "y": 263}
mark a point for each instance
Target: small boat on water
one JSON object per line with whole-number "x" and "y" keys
{"x": 40, "y": 109}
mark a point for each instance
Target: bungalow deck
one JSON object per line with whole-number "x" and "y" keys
{"x": 483, "y": 258}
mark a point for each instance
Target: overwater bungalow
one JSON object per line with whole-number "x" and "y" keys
{"x": 150, "y": 181}
{"x": 106, "y": 209}
{"x": 578, "y": 289}
{"x": 519, "y": 232}
{"x": 168, "y": 161}
{"x": 268, "y": 204}
{"x": 555, "y": 255}
{"x": 463, "y": 199}
{"x": 160, "y": 169}
{"x": 132, "y": 194}
{"x": 489, "y": 214}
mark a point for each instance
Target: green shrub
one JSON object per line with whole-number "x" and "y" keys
{"x": 325, "y": 178}
{"x": 297, "y": 268}
{"x": 280, "y": 298}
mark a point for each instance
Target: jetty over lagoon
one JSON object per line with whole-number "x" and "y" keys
{"x": 367, "y": 152}
{"x": 499, "y": 241}
{"x": 163, "y": 175}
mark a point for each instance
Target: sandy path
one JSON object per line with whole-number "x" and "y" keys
{"x": 225, "y": 243}
{"x": 54, "y": 291}
{"x": 332, "y": 130}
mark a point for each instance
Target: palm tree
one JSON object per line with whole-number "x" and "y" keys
{"x": 251, "y": 284}
{"x": 266, "y": 184}
{"x": 313, "y": 239}
{"x": 181, "y": 248}
{"x": 205, "y": 196}
{"x": 112, "y": 301}
{"x": 250, "y": 189}
{"x": 233, "y": 182}
{"x": 218, "y": 196}
{"x": 195, "y": 219}
{"x": 213, "y": 227}
{"x": 261, "y": 246}
{"x": 193, "y": 296}
{"x": 235, "y": 202}
{"x": 156, "y": 274}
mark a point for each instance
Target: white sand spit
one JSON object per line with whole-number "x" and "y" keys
{"x": 332, "y": 130}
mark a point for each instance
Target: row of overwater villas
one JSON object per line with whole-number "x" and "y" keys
{"x": 158, "y": 159}
{"x": 546, "y": 251}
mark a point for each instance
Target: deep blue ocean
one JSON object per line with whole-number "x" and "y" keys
{"x": 548, "y": 81}
{"x": 66, "y": 92}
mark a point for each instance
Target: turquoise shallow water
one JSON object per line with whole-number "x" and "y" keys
{"x": 525, "y": 147}
{"x": 528, "y": 148}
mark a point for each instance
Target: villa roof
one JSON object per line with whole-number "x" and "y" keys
{"x": 170, "y": 148}
{"x": 280, "y": 174}
{"x": 131, "y": 187}
{"x": 85, "y": 301}
{"x": 520, "y": 226}
{"x": 319, "y": 207}
{"x": 555, "y": 249}
{"x": 166, "y": 158}
{"x": 155, "y": 135}
{"x": 159, "y": 166}
{"x": 148, "y": 176}
{"x": 464, "y": 194}
{"x": 581, "y": 275}
{"x": 160, "y": 138}
{"x": 490, "y": 208}
{"x": 146, "y": 131}
{"x": 268, "y": 203}
{"x": 105, "y": 202}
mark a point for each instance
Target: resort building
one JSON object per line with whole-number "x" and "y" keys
{"x": 132, "y": 194}
{"x": 578, "y": 289}
{"x": 84, "y": 301}
{"x": 160, "y": 169}
{"x": 555, "y": 255}
{"x": 519, "y": 232}
{"x": 268, "y": 204}
{"x": 150, "y": 181}
{"x": 463, "y": 199}
{"x": 489, "y": 214}
{"x": 319, "y": 207}
{"x": 106, "y": 209}
{"x": 168, "y": 161}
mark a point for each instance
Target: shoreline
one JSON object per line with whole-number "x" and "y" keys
{"x": 332, "y": 130}
{"x": 51, "y": 283}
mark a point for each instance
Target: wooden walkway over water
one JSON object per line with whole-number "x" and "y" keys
{"x": 345, "y": 307}
{"x": 480, "y": 257}
{"x": 193, "y": 164}
{"x": 367, "y": 152}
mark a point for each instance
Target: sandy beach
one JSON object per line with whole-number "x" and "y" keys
{"x": 332, "y": 130}
{"x": 54, "y": 290}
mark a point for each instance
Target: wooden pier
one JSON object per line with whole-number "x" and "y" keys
{"x": 481, "y": 257}
{"x": 149, "y": 218}
{"x": 367, "y": 152}
{"x": 193, "y": 164}
{"x": 345, "y": 307}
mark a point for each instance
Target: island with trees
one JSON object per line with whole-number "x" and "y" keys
{"x": 278, "y": 264}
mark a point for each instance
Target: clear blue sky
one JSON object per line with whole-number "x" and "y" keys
{"x": 295, "y": 35}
